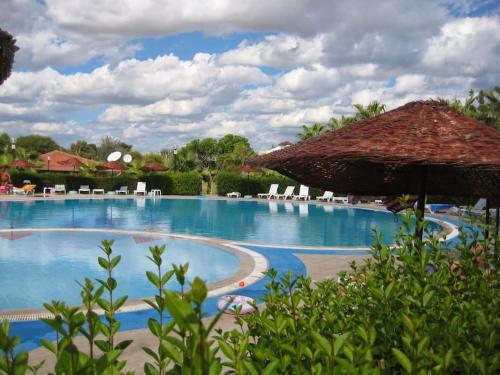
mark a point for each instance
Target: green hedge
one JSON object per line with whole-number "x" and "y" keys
{"x": 175, "y": 183}
{"x": 254, "y": 184}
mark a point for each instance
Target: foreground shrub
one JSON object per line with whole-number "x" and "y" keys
{"x": 416, "y": 308}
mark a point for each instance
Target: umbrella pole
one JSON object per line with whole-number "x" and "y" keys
{"x": 419, "y": 229}
{"x": 496, "y": 229}
{"x": 487, "y": 221}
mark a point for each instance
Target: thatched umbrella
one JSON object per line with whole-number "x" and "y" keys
{"x": 23, "y": 164}
{"x": 112, "y": 166}
{"x": 153, "y": 167}
{"x": 73, "y": 162}
{"x": 7, "y": 50}
{"x": 423, "y": 147}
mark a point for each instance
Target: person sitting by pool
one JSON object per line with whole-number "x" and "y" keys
{"x": 5, "y": 180}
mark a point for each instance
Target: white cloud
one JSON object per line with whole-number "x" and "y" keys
{"x": 328, "y": 55}
{"x": 465, "y": 46}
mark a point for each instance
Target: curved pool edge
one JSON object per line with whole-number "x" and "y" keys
{"x": 251, "y": 269}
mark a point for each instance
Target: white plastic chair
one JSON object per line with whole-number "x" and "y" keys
{"x": 141, "y": 188}
{"x": 303, "y": 193}
{"x": 287, "y": 194}
{"x": 59, "y": 189}
{"x": 122, "y": 190}
{"x": 273, "y": 190}
{"x": 327, "y": 196}
{"x": 84, "y": 189}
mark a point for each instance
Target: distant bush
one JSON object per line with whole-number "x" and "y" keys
{"x": 185, "y": 183}
{"x": 175, "y": 183}
{"x": 254, "y": 184}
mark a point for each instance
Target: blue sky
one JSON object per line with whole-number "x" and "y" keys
{"x": 158, "y": 73}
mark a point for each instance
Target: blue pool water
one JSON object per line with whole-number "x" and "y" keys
{"x": 251, "y": 221}
{"x": 36, "y": 267}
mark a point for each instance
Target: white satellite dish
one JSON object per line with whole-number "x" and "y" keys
{"x": 114, "y": 156}
{"x": 127, "y": 158}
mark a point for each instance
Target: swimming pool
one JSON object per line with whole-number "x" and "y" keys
{"x": 37, "y": 267}
{"x": 267, "y": 222}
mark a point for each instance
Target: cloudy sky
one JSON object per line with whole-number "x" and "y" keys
{"x": 158, "y": 73}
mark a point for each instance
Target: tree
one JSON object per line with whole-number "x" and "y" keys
{"x": 227, "y": 143}
{"x": 488, "y": 107}
{"x": 84, "y": 149}
{"x": 109, "y": 144}
{"x": 311, "y": 131}
{"x": 4, "y": 141}
{"x": 37, "y": 144}
{"x": 374, "y": 108}
{"x": 484, "y": 106}
{"x": 8, "y": 49}
{"x": 337, "y": 123}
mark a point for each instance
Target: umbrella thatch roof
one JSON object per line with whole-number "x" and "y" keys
{"x": 112, "y": 166}
{"x": 153, "y": 167}
{"x": 421, "y": 145}
{"x": 22, "y": 164}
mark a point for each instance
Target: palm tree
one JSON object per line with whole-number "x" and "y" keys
{"x": 311, "y": 131}
{"x": 374, "y": 108}
{"x": 337, "y": 123}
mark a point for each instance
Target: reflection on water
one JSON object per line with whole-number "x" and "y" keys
{"x": 254, "y": 221}
{"x": 55, "y": 261}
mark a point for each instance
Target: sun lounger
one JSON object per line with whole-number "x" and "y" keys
{"x": 122, "y": 190}
{"x": 478, "y": 209}
{"x": 59, "y": 189}
{"x": 273, "y": 190}
{"x": 26, "y": 190}
{"x": 234, "y": 194}
{"x": 141, "y": 189}
{"x": 303, "y": 193}
{"x": 327, "y": 196}
{"x": 287, "y": 194}
{"x": 343, "y": 200}
{"x": 84, "y": 189}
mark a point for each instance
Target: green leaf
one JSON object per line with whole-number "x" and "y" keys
{"x": 249, "y": 367}
{"x": 182, "y": 312}
{"x": 227, "y": 350}
{"x": 154, "y": 327}
{"x": 120, "y": 301}
{"x": 402, "y": 359}
{"x": 427, "y": 297}
{"x": 171, "y": 352}
{"x": 322, "y": 342}
{"x": 103, "y": 262}
{"x": 339, "y": 343}
{"x": 271, "y": 367}
{"x": 149, "y": 369}
{"x": 49, "y": 345}
{"x": 115, "y": 261}
{"x": 153, "y": 278}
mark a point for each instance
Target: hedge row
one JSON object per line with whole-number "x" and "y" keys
{"x": 228, "y": 182}
{"x": 175, "y": 183}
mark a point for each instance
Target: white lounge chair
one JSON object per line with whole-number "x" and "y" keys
{"x": 141, "y": 188}
{"x": 478, "y": 209}
{"x": 343, "y": 200}
{"x": 234, "y": 194}
{"x": 59, "y": 189}
{"x": 303, "y": 193}
{"x": 84, "y": 189}
{"x": 327, "y": 196}
{"x": 287, "y": 194}
{"x": 122, "y": 190}
{"x": 273, "y": 190}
